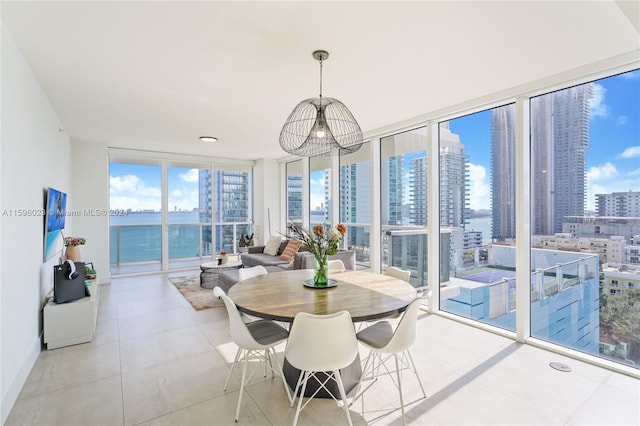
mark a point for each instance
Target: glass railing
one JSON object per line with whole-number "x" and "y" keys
{"x": 405, "y": 247}
{"x": 143, "y": 243}
{"x": 358, "y": 240}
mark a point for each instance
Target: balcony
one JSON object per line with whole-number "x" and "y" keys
{"x": 138, "y": 248}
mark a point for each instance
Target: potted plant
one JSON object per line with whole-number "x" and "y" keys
{"x": 223, "y": 257}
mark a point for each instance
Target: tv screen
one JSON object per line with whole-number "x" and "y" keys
{"x": 55, "y": 209}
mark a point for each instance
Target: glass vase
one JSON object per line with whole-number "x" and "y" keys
{"x": 321, "y": 271}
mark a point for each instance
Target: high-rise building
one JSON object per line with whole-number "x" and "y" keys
{"x": 417, "y": 176}
{"x": 294, "y": 198}
{"x": 503, "y": 173}
{"x": 454, "y": 179}
{"x": 619, "y": 204}
{"x": 559, "y": 138}
{"x": 391, "y": 184}
{"x": 355, "y": 204}
{"x": 232, "y": 204}
{"x": 355, "y": 200}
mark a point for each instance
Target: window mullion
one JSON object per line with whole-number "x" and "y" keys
{"x": 523, "y": 222}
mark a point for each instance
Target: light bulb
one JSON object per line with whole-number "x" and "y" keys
{"x": 320, "y": 133}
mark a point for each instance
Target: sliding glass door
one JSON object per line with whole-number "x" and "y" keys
{"x": 135, "y": 233}
{"x": 175, "y": 214}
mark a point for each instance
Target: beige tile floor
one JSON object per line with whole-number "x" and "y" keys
{"x": 155, "y": 361}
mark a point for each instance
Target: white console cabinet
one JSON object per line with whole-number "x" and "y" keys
{"x": 71, "y": 323}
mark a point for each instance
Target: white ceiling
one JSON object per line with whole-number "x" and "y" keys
{"x": 156, "y": 75}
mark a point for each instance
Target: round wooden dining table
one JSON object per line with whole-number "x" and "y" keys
{"x": 281, "y": 295}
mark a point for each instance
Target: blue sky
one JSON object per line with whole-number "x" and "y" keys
{"x": 138, "y": 187}
{"x": 613, "y": 157}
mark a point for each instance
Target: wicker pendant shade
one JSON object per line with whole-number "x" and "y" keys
{"x": 320, "y": 126}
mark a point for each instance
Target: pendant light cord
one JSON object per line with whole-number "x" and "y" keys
{"x": 320, "y": 77}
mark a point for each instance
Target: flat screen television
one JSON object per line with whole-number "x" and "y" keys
{"x": 54, "y": 217}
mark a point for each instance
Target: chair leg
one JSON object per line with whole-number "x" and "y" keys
{"x": 235, "y": 361}
{"x": 281, "y": 372}
{"x": 415, "y": 371}
{"x": 343, "y": 395}
{"x": 298, "y": 384}
{"x": 305, "y": 377}
{"x": 244, "y": 377}
{"x": 266, "y": 360}
{"x": 398, "y": 372}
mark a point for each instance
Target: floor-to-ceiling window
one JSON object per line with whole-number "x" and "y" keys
{"x": 574, "y": 156}
{"x": 189, "y": 231}
{"x": 135, "y": 237}
{"x": 355, "y": 201}
{"x": 403, "y": 203}
{"x": 171, "y": 212}
{"x": 478, "y": 213}
{"x": 294, "y": 192}
{"x": 585, "y": 221}
{"x": 232, "y": 208}
{"x": 320, "y": 190}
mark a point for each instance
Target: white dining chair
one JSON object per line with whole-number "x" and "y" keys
{"x": 395, "y": 272}
{"x": 321, "y": 344}
{"x": 254, "y": 271}
{"x": 401, "y": 274}
{"x": 245, "y": 274}
{"x": 384, "y": 342}
{"x": 335, "y": 266}
{"x": 255, "y": 340}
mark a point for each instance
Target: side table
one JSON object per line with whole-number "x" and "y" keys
{"x": 71, "y": 323}
{"x": 210, "y": 271}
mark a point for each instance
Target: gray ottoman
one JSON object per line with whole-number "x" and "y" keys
{"x": 227, "y": 278}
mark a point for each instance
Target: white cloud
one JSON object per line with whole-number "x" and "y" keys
{"x": 623, "y": 119}
{"x": 631, "y": 152}
{"x": 606, "y": 179}
{"x": 176, "y": 193}
{"x": 192, "y": 176}
{"x": 597, "y": 105}
{"x": 479, "y": 195}
{"x": 130, "y": 192}
{"x": 606, "y": 171}
{"x": 123, "y": 183}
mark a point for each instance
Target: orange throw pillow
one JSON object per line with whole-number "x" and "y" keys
{"x": 290, "y": 250}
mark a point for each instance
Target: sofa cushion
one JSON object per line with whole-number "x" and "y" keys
{"x": 272, "y": 246}
{"x": 283, "y": 245}
{"x": 290, "y": 250}
{"x": 254, "y": 259}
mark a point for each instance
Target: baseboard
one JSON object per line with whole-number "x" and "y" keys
{"x": 10, "y": 398}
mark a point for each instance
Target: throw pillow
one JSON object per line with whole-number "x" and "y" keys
{"x": 290, "y": 250}
{"x": 272, "y": 246}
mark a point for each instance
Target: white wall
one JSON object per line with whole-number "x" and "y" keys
{"x": 35, "y": 155}
{"x": 266, "y": 198}
{"x": 91, "y": 202}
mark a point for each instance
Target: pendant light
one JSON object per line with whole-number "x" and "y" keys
{"x": 320, "y": 126}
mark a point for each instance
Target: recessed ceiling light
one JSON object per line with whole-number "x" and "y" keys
{"x": 208, "y": 139}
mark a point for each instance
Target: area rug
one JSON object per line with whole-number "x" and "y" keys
{"x": 200, "y": 298}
